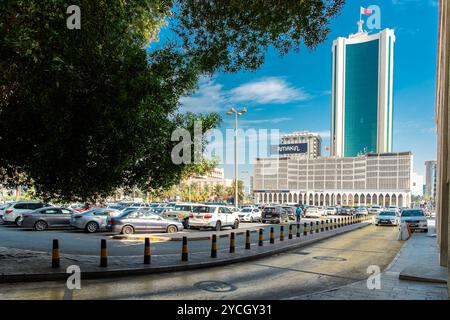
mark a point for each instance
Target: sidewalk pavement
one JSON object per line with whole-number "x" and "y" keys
{"x": 417, "y": 259}
{"x": 22, "y": 265}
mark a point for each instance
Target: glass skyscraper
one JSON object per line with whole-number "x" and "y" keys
{"x": 362, "y": 83}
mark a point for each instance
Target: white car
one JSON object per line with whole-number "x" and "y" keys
{"x": 313, "y": 212}
{"x": 250, "y": 215}
{"x": 375, "y": 209}
{"x": 393, "y": 208}
{"x": 415, "y": 218}
{"x": 213, "y": 216}
{"x": 13, "y": 212}
{"x": 330, "y": 211}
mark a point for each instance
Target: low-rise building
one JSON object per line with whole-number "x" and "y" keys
{"x": 383, "y": 178}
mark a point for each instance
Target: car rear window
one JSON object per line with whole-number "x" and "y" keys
{"x": 386, "y": 213}
{"x": 412, "y": 213}
{"x": 204, "y": 209}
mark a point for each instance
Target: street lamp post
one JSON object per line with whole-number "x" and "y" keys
{"x": 236, "y": 114}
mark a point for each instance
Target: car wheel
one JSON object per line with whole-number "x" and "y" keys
{"x": 18, "y": 221}
{"x": 128, "y": 230}
{"x": 219, "y": 226}
{"x": 236, "y": 224}
{"x": 426, "y": 230}
{"x": 40, "y": 225}
{"x": 2, "y": 221}
{"x": 92, "y": 227}
{"x": 172, "y": 229}
{"x": 251, "y": 220}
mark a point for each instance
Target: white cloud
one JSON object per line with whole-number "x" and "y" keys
{"x": 208, "y": 98}
{"x": 211, "y": 97}
{"x": 268, "y": 90}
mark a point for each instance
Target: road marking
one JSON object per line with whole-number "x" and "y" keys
{"x": 306, "y": 271}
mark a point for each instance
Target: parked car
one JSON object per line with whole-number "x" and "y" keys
{"x": 213, "y": 216}
{"x": 48, "y": 217}
{"x": 181, "y": 212}
{"x": 290, "y": 212}
{"x": 330, "y": 211}
{"x": 274, "y": 214}
{"x": 13, "y": 212}
{"x": 93, "y": 220}
{"x": 375, "y": 209}
{"x": 415, "y": 218}
{"x": 142, "y": 221}
{"x": 362, "y": 211}
{"x": 387, "y": 218}
{"x": 347, "y": 210}
{"x": 249, "y": 214}
{"x": 313, "y": 212}
{"x": 393, "y": 208}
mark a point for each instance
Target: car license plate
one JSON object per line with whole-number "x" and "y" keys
{"x": 413, "y": 225}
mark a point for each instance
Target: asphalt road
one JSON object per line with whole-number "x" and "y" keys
{"x": 324, "y": 265}
{"x": 78, "y": 242}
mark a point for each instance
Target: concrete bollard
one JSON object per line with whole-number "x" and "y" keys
{"x": 261, "y": 237}
{"x": 272, "y": 236}
{"x": 305, "y": 229}
{"x": 214, "y": 246}
{"x": 247, "y": 239}
{"x": 232, "y": 242}
{"x": 297, "y": 231}
{"x": 281, "y": 233}
{"x": 147, "y": 252}
{"x": 55, "y": 254}
{"x": 103, "y": 254}
{"x": 290, "y": 231}
{"x": 184, "y": 250}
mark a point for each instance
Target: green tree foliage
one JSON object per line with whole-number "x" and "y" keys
{"x": 84, "y": 112}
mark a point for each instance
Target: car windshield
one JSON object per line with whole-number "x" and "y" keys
{"x": 204, "y": 209}
{"x": 182, "y": 208}
{"x": 246, "y": 210}
{"x": 387, "y": 213}
{"x": 412, "y": 213}
{"x": 330, "y": 208}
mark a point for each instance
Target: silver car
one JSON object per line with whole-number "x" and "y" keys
{"x": 49, "y": 217}
{"x": 415, "y": 218}
{"x": 93, "y": 220}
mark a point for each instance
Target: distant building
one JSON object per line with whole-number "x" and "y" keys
{"x": 300, "y": 144}
{"x": 430, "y": 178}
{"x": 362, "y": 86}
{"x": 383, "y": 179}
{"x": 213, "y": 178}
{"x": 416, "y": 184}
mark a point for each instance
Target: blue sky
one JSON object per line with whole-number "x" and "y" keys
{"x": 292, "y": 93}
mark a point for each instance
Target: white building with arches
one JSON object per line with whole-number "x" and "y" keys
{"x": 376, "y": 178}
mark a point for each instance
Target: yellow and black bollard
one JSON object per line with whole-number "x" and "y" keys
{"x": 331, "y": 224}
{"x": 317, "y": 226}
{"x": 297, "y": 231}
{"x": 214, "y": 246}
{"x": 290, "y": 231}
{"x": 322, "y": 226}
{"x": 339, "y": 222}
{"x": 103, "y": 254}
{"x": 305, "y": 229}
{"x": 281, "y": 233}
{"x": 326, "y": 225}
{"x": 272, "y": 236}
{"x": 184, "y": 250}
{"x": 261, "y": 237}
{"x": 311, "y": 229}
{"x": 247, "y": 239}
{"x": 55, "y": 254}
{"x": 232, "y": 242}
{"x": 147, "y": 252}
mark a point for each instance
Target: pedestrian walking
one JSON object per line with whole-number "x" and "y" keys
{"x": 298, "y": 213}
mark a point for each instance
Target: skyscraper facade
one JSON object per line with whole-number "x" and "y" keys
{"x": 430, "y": 178}
{"x": 362, "y": 84}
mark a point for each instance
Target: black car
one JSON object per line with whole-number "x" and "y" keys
{"x": 274, "y": 214}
